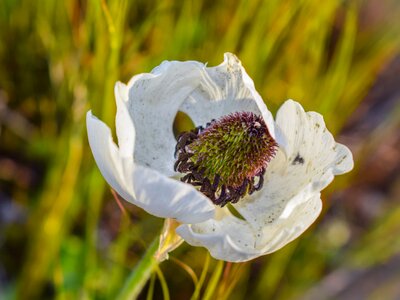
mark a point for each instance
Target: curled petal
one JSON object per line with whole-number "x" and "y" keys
{"x": 225, "y": 89}
{"x": 307, "y": 141}
{"x": 153, "y": 100}
{"x": 123, "y": 122}
{"x": 306, "y": 162}
{"x": 235, "y": 240}
{"x": 221, "y": 236}
{"x": 146, "y": 188}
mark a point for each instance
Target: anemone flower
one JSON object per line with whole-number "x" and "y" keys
{"x": 240, "y": 184}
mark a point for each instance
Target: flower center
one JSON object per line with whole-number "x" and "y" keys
{"x": 227, "y": 159}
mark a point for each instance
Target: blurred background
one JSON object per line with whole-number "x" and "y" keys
{"x": 63, "y": 234}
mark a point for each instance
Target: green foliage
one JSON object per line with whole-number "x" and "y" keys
{"x": 62, "y": 58}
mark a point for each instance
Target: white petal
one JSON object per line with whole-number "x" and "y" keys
{"x": 307, "y": 137}
{"x": 153, "y": 101}
{"x": 123, "y": 122}
{"x": 221, "y": 236}
{"x": 235, "y": 240}
{"x": 288, "y": 228}
{"x": 307, "y": 161}
{"x": 146, "y": 188}
{"x": 225, "y": 89}
{"x": 266, "y": 114}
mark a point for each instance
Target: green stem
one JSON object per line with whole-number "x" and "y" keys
{"x": 139, "y": 276}
{"x": 212, "y": 284}
{"x": 203, "y": 275}
{"x": 163, "y": 283}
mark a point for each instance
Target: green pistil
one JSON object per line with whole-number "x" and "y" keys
{"x": 223, "y": 152}
{"x": 226, "y": 157}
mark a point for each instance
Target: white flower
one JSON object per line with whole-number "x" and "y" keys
{"x": 141, "y": 168}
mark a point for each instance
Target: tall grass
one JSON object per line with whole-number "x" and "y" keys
{"x": 61, "y": 58}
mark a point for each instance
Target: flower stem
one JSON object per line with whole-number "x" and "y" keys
{"x": 212, "y": 284}
{"x": 139, "y": 276}
{"x": 203, "y": 275}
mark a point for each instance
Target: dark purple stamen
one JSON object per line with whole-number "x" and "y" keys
{"x": 216, "y": 187}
